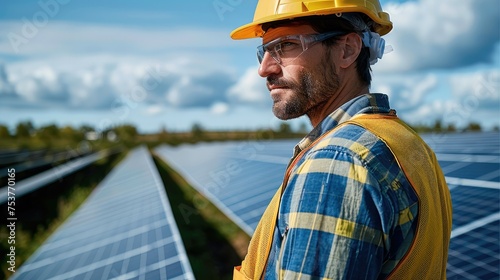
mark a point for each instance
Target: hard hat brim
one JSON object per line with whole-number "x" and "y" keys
{"x": 254, "y": 29}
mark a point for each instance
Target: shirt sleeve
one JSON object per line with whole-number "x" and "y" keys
{"x": 335, "y": 217}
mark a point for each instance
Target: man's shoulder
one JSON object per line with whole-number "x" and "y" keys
{"x": 358, "y": 146}
{"x": 349, "y": 137}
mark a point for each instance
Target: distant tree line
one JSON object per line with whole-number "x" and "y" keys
{"x": 438, "y": 126}
{"x": 26, "y": 129}
{"x": 51, "y": 134}
{"x": 26, "y": 135}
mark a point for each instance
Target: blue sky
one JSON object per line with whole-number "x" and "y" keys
{"x": 172, "y": 64}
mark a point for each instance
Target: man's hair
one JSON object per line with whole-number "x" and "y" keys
{"x": 349, "y": 22}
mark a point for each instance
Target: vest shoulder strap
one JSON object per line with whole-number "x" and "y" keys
{"x": 428, "y": 254}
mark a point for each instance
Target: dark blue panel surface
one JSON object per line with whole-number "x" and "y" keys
{"x": 125, "y": 230}
{"x": 241, "y": 177}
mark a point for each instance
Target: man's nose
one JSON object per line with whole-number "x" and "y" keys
{"x": 268, "y": 66}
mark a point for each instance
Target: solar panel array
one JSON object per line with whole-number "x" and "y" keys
{"x": 471, "y": 164}
{"x": 241, "y": 177}
{"x": 29, "y": 160}
{"x": 46, "y": 177}
{"x": 125, "y": 230}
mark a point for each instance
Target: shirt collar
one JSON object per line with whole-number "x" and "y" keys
{"x": 364, "y": 104}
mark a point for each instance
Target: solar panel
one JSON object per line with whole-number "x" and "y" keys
{"x": 46, "y": 177}
{"x": 25, "y": 161}
{"x": 471, "y": 163}
{"x": 241, "y": 177}
{"x": 124, "y": 230}
{"x": 475, "y": 253}
{"x": 238, "y": 177}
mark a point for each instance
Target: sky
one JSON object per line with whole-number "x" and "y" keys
{"x": 171, "y": 64}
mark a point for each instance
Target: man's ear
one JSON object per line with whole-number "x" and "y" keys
{"x": 351, "y": 45}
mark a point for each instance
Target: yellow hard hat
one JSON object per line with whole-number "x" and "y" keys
{"x": 275, "y": 10}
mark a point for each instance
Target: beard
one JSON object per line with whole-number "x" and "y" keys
{"x": 314, "y": 87}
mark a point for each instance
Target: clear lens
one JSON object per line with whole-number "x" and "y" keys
{"x": 292, "y": 46}
{"x": 260, "y": 53}
{"x": 281, "y": 47}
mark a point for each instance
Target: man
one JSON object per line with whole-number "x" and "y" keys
{"x": 363, "y": 196}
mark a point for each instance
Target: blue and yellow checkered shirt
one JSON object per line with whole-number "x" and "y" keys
{"x": 348, "y": 211}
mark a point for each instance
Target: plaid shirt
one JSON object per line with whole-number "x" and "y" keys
{"x": 348, "y": 211}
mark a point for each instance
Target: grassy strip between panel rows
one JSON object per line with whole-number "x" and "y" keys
{"x": 214, "y": 243}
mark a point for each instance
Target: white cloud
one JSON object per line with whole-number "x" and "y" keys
{"x": 249, "y": 89}
{"x": 47, "y": 87}
{"x": 182, "y": 82}
{"x": 478, "y": 95}
{"x": 154, "y": 110}
{"x": 406, "y": 92}
{"x": 219, "y": 108}
{"x": 431, "y": 34}
{"x": 431, "y": 111}
{"x": 458, "y": 98}
{"x": 482, "y": 85}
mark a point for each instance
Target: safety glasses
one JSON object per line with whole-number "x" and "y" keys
{"x": 288, "y": 48}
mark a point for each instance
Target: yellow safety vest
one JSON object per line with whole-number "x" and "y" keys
{"x": 427, "y": 256}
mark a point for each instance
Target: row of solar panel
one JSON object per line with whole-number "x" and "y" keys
{"x": 112, "y": 236}
{"x": 241, "y": 177}
{"x": 46, "y": 177}
{"x": 124, "y": 230}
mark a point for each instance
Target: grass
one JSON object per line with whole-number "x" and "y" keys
{"x": 214, "y": 244}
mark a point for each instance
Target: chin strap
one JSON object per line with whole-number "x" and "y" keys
{"x": 376, "y": 44}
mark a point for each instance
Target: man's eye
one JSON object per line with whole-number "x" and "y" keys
{"x": 288, "y": 45}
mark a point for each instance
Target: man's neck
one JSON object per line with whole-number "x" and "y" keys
{"x": 343, "y": 95}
